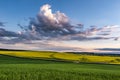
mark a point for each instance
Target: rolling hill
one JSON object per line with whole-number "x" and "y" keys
{"x": 63, "y": 56}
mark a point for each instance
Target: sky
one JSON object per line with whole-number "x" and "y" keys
{"x": 60, "y": 25}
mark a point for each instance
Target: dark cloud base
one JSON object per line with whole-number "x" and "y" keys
{"x": 108, "y": 49}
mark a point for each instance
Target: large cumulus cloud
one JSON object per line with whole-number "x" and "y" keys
{"x": 49, "y": 25}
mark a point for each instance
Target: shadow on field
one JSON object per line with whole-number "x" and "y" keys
{"x": 7, "y": 59}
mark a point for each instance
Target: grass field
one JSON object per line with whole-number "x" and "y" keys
{"x": 31, "y": 68}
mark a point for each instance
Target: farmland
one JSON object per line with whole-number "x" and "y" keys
{"x": 62, "y": 56}
{"x": 23, "y": 65}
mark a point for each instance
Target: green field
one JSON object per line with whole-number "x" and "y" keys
{"x": 15, "y": 68}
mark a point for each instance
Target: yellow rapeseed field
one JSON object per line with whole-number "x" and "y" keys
{"x": 64, "y": 56}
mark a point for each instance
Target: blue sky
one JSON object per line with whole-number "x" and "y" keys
{"x": 99, "y": 13}
{"x": 88, "y": 12}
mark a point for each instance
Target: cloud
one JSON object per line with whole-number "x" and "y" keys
{"x": 49, "y": 25}
{"x": 117, "y": 38}
{"x": 56, "y": 26}
{"x": 108, "y": 49}
{"x": 2, "y": 24}
{"x": 5, "y": 33}
{"x": 39, "y": 45}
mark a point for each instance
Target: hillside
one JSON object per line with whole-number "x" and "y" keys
{"x": 16, "y": 68}
{"x": 62, "y": 56}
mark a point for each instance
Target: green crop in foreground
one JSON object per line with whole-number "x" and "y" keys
{"x": 57, "y": 72}
{"x": 13, "y": 68}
